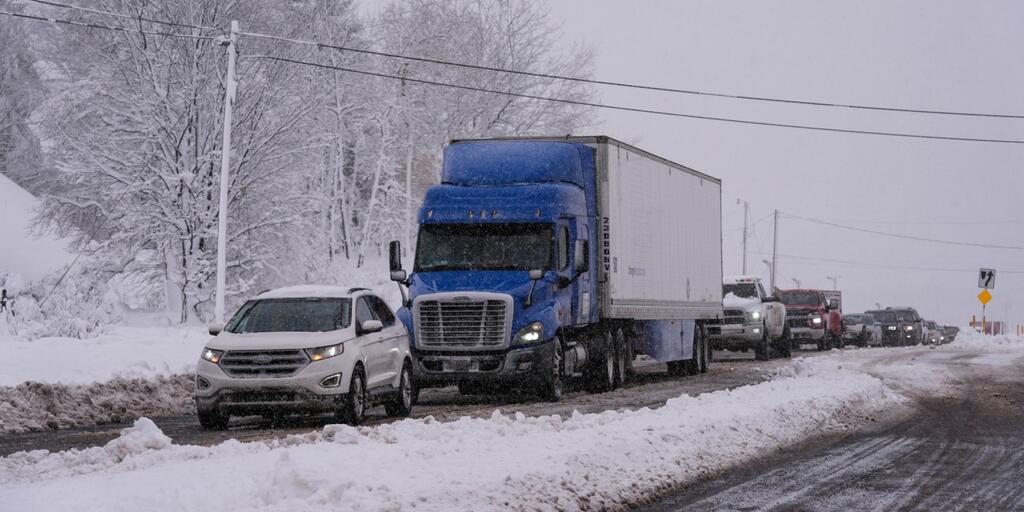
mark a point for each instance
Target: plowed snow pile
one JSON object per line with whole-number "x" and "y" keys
{"x": 585, "y": 461}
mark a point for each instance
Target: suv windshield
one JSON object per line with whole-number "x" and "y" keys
{"x": 800, "y": 298}
{"x": 484, "y": 247}
{"x": 292, "y": 315}
{"x": 905, "y": 315}
{"x": 744, "y": 290}
{"x": 852, "y": 319}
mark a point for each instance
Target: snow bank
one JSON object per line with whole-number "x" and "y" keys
{"x": 586, "y": 461}
{"x": 33, "y": 406}
{"x": 124, "y": 352}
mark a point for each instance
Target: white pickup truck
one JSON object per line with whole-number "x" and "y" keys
{"x": 752, "y": 319}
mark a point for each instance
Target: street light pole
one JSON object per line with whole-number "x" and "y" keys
{"x": 797, "y": 282}
{"x": 835, "y": 281}
{"x": 775, "y": 249}
{"x": 746, "y": 209}
{"x": 225, "y": 167}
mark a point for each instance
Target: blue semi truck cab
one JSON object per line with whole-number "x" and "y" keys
{"x": 513, "y": 258}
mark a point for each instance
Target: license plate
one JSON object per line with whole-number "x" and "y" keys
{"x": 460, "y": 365}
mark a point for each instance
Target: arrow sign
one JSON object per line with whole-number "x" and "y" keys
{"x": 987, "y": 278}
{"x": 984, "y": 297}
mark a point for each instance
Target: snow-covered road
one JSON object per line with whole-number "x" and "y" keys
{"x": 506, "y": 460}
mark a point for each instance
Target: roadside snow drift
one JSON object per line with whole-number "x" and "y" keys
{"x": 586, "y": 461}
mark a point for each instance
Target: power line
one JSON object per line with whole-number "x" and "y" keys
{"x": 908, "y": 237}
{"x": 119, "y": 15}
{"x": 866, "y": 264}
{"x": 102, "y": 27}
{"x": 640, "y": 110}
{"x": 630, "y": 85}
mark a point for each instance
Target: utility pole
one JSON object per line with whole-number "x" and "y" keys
{"x": 225, "y": 162}
{"x": 746, "y": 209}
{"x": 775, "y": 250}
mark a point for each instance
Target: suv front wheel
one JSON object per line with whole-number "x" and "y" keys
{"x": 353, "y": 406}
{"x": 401, "y": 403}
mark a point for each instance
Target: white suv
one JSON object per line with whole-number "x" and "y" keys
{"x": 307, "y": 349}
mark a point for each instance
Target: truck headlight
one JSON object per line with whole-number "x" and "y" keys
{"x": 892, "y": 327}
{"x": 319, "y": 353}
{"x": 531, "y": 333}
{"x": 816, "y": 320}
{"x": 909, "y": 327}
{"x": 755, "y": 316}
{"x": 212, "y": 355}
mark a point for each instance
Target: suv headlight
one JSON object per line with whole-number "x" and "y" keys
{"x": 212, "y": 355}
{"x": 909, "y": 327}
{"x": 892, "y": 327}
{"x": 531, "y": 333}
{"x": 755, "y": 315}
{"x": 320, "y": 353}
{"x": 816, "y": 320}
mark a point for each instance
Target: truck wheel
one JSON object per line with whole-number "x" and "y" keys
{"x": 601, "y": 372}
{"x": 762, "y": 352}
{"x": 693, "y": 365}
{"x": 705, "y": 349}
{"x": 550, "y": 389}
{"x": 353, "y": 406}
{"x": 622, "y": 360}
{"x": 784, "y": 345}
{"x": 211, "y": 419}
{"x": 401, "y": 403}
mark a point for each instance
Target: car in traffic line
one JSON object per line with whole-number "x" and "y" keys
{"x": 306, "y": 349}
{"x": 812, "y": 318}
{"x": 751, "y": 319}
{"x": 862, "y": 330}
{"x": 911, "y": 325}
{"x": 933, "y": 332}
{"x": 889, "y": 324}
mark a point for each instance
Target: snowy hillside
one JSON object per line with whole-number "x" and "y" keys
{"x": 22, "y": 253}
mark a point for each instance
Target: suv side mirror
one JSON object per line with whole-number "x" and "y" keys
{"x": 215, "y": 329}
{"x": 370, "y": 326}
{"x": 395, "y": 257}
{"x": 579, "y": 261}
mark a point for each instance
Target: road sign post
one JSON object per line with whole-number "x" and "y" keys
{"x": 984, "y": 297}
{"x": 987, "y": 278}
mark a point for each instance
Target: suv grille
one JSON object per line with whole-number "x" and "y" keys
{"x": 461, "y": 323}
{"x": 263, "y": 363}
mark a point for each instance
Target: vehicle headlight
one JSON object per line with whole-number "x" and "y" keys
{"x": 319, "y": 353}
{"x": 755, "y": 315}
{"x": 816, "y": 320}
{"x": 909, "y": 327}
{"x": 892, "y": 327}
{"x": 212, "y": 355}
{"x": 531, "y": 333}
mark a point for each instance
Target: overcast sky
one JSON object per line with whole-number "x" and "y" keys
{"x": 963, "y": 56}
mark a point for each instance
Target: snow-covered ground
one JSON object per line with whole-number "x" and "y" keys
{"x": 584, "y": 461}
{"x": 127, "y": 352}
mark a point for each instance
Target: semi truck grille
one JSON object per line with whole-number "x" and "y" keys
{"x": 461, "y": 323}
{"x": 263, "y": 363}
{"x": 733, "y": 316}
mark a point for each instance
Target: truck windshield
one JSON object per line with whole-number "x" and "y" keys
{"x": 884, "y": 316}
{"x": 483, "y": 247}
{"x": 800, "y": 298}
{"x": 742, "y": 290}
{"x": 291, "y": 315}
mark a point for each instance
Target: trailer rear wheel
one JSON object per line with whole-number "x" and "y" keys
{"x": 601, "y": 372}
{"x": 705, "y": 349}
{"x": 623, "y": 360}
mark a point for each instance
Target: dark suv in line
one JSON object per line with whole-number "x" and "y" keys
{"x": 911, "y": 325}
{"x": 890, "y": 323}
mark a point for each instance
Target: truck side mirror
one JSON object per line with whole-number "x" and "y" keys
{"x": 395, "y": 256}
{"x": 579, "y": 261}
{"x": 535, "y": 275}
{"x": 771, "y": 298}
{"x": 833, "y": 304}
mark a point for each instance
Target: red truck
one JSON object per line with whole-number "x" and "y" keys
{"x": 814, "y": 316}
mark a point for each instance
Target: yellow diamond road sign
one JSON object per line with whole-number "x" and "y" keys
{"x": 984, "y": 296}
